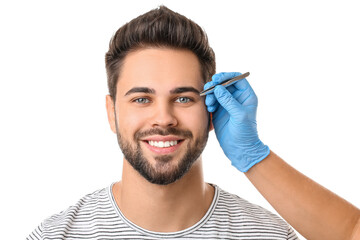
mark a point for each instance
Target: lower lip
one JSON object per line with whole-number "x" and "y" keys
{"x": 165, "y": 150}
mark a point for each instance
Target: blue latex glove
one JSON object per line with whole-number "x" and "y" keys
{"x": 234, "y": 120}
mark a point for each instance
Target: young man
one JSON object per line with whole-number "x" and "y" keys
{"x": 157, "y": 64}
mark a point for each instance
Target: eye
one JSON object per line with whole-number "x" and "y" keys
{"x": 183, "y": 100}
{"x": 141, "y": 100}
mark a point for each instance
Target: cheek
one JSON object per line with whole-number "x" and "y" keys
{"x": 195, "y": 118}
{"x": 129, "y": 121}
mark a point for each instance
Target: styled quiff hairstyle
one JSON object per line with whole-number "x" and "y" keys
{"x": 161, "y": 28}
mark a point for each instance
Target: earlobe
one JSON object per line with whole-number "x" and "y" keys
{"x": 211, "y": 126}
{"x": 110, "y": 108}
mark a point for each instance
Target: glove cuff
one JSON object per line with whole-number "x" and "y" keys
{"x": 252, "y": 156}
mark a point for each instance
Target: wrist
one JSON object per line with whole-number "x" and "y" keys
{"x": 250, "y": 156}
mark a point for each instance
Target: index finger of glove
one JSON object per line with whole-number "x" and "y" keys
{"x": 209, "y": 85}
{"x": 223, "y": 76}
{"x": 217, "y": 79}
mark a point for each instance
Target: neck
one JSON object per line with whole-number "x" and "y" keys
{"x": 163, "y": 208}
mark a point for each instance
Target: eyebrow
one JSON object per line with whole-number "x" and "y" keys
{"x": 152, "y": 91}
{"x": 140, "y": 90}
{"x": 184, "y": 89}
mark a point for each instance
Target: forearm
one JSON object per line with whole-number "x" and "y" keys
{"x": 312, "y": 210}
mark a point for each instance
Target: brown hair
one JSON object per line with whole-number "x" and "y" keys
{"x": 160, "y": 27}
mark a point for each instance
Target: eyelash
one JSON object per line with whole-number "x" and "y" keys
{"x": 137, "y": 100}
{"x": 187, "y": 98}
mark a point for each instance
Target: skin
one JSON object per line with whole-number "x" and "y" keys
{"x": 314, "y": 211}
{"x": 356, "y": 232}
{"x": 181, "y": 204}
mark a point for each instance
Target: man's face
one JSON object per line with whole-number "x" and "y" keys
{"x": 160, "y": 120}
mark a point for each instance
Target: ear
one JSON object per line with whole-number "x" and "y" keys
{"x": 110, "y": 108}
{"x": 211, "y": 127}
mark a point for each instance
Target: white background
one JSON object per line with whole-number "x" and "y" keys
{"x": 56, "y": 145}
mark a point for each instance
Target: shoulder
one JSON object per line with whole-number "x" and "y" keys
{"x": 239, "y": 215}
{"x": 235, "y": 205}
{"x": 89, "y": 210}
{"x": 85, "y": 206}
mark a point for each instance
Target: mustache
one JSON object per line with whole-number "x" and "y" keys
{"x": 163, "y": 132}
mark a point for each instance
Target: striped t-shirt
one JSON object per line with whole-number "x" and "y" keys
{"x": 96, "y": 216}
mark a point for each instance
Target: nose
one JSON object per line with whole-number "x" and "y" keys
{"x": 163, "y": 116}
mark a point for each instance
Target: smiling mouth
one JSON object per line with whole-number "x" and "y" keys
{"x": 163, "y": 144}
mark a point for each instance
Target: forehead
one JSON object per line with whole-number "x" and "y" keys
{"x": 160, "y": 68}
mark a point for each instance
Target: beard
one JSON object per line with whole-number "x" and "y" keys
{"x": 163, "y": 173}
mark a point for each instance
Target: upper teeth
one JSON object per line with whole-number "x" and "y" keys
{"x": 162, "y": 144}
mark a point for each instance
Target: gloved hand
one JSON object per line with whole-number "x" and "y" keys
{"x": 234, "y": 120}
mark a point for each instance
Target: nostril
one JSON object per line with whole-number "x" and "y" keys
{"x": 164, "y": 120}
